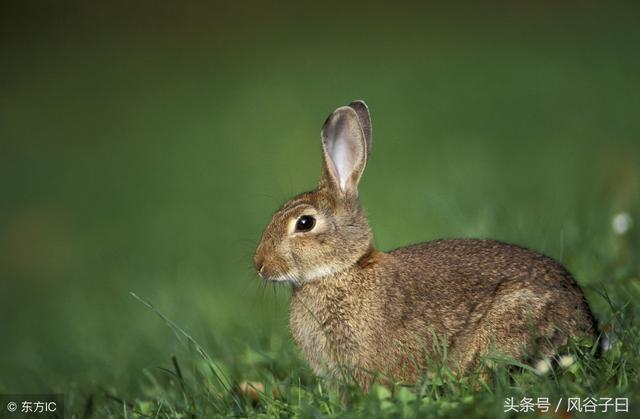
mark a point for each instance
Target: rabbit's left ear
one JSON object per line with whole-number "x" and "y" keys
{"x": 345, "y": 151}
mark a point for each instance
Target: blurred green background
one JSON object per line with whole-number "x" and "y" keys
{"x": 144, "y": 146}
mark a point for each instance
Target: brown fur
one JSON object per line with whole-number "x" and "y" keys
{"x": 375, "y": 312}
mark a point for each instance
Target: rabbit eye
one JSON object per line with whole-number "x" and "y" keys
{"x": 305, "y": 223}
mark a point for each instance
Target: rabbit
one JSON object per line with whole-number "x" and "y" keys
{"x": 383, "y": 314}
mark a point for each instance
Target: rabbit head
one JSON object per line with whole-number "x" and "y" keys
{"x": 324, "y": 231}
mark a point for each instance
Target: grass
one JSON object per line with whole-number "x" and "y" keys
{"x": 144, "y": 151}
{"x": 286, "y": 389}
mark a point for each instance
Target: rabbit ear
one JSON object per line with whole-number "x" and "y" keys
{"x": 345, "y": 151}
{"x": 364, "y": 117}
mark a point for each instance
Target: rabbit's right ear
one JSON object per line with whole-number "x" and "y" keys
{"x": 345, "y": 152}
{"x": 364, "y": 117}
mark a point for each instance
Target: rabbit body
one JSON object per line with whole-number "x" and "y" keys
{"x": 386, "y": 313}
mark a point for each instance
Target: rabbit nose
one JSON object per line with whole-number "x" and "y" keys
{"x": 258, "y": 262}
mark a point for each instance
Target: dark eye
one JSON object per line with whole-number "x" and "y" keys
{"x": 305, "y": 223}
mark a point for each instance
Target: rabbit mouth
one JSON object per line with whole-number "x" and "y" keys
{"x": 285, "y": 278}
{"x": 299, "y": 278}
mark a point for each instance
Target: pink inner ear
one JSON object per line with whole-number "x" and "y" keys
{"x": 343, "y": 156}
{"x": 343, "y": 144}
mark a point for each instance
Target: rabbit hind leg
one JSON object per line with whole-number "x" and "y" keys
{"x": 514, "y": 326}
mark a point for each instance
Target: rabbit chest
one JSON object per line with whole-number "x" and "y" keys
{"x": 331, "y": 323}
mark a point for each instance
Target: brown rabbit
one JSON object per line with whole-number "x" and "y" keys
{"x": 382, "y": 312}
